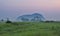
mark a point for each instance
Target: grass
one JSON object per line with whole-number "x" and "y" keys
{"x": 30, "y": 29}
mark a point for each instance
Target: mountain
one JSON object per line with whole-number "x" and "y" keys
{"x": 32, "y": 17}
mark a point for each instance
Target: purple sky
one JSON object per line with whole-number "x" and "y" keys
{"x": 14, "y": 8}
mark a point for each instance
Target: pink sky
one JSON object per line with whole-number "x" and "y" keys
{"x": 49, "y": 8}
{"x": 33, "y": 5}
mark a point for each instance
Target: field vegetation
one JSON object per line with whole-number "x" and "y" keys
{"x": 30, "y": 29}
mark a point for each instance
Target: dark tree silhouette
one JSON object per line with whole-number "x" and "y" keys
{"x": 8, "y": 21}
{"x": 2, "y": 20}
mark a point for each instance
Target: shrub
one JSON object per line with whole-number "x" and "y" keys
{"x": 8, "y": 22}
{"x": 48, "y": 21}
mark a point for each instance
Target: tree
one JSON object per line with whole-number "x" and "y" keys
{"x": 2, "y": 20}
{"x": 8, "y": 21}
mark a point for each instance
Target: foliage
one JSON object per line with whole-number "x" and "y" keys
{"x": 30, "y": 29}
{"x": 8, "y": 21}
{"x": 49, "y": 21}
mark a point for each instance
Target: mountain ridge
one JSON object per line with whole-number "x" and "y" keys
{"x": 32, "y": 17}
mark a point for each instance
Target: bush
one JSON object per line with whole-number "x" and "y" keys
{"x": 48, "y": 21}
{"x": 8, "y": 22}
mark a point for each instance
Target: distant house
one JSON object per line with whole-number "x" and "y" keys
{"x": 33, "y": 17}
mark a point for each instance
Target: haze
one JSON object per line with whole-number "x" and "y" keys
{"x": 50, "y": 9}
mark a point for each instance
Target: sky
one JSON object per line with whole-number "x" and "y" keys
{"x": 50, "y": 9}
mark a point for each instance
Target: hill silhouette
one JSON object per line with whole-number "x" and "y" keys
{"x": 32, "y": 17}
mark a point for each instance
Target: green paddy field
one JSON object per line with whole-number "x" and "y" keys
{"x": 30, "y": 29}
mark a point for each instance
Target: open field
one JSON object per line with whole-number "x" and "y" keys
{"x": 30, "y": 29}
